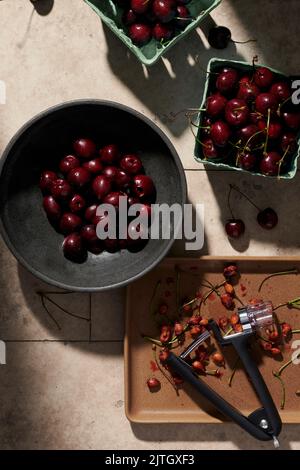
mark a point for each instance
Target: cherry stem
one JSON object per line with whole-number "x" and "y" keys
{"x": 295, "y": 332}
{"x": 267, "y": 134}
{"x": 282, "y": 160}
{"x": 283, "y": 103}
{"x": 233, "y": 371}
{"x": 249, "y": 140}
{"x": 282, "y": 401}
{"x": 213, "y": 289}
{"x": 280, "y": 273}
{"x": 243, "y": 42}
{"x": 245, "y": 196}
{"x": 291, "y": 304}
{"x": 228, "y": 332}
{"x": 228, "y": 202}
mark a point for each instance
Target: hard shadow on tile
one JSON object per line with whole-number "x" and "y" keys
{"x": 224, "y": 432}
{"x": 280, "y": 195}
{"x": 76, "y": 318}
{"x": 273, "y": 30}
{"x": 171, "y": 85}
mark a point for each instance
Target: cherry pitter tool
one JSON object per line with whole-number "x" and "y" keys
{"x": 264, "y": 423}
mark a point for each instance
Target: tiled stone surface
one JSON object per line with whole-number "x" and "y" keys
{"x": 57, "y": 395}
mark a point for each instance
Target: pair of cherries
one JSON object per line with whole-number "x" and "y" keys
{"x": 83, "y": 180}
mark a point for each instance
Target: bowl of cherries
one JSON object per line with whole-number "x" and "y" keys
{"x": 150, "y": 27}
{"x": 248, "y": 121}
{"x": 65, "y": 163}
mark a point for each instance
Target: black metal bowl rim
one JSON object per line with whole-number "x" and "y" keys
{"x": 135, "y": 113}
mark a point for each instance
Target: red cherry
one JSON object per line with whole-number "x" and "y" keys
{"x": 111, "y": 245}
{"x": 183, "y": 17}
{"x": 209, "y": 149}
{"x": 139, "y": 6}
{"x": 52, "y": 208}
{"x": 247, "y": 132}
{"x": 46, "y": 179}
{"x": 164, "y": 10}
{"x": 113, "y": 198}
{"x": 264, "y": 102}
{"x": 73, "y": 247}
{"x": 269, "y": 164}
{"x": 281, "y": 91}
{"x": 140, "y": 33}
{"x": 131, "y": 164}
{"x": 275, "y": 130}
{"x": 247, "y": 161}
{"x": 153, "y": 384}
{"x": 79, "y": 177}
{"x": 267, "y": 218}
{"x": 220, "y": 133}
{"x": 88, "y": 234}
{"x": 129, "y": 17}
{"x": 93, "y": 166}
{"x": 288, "y": 139}
{"x": 133, "y": 200}
{"x": 235, "y": 228}
{"x": 90, "y": 212}
{"x": 60, "y": 189}
{"x": 143, "y": 186}
{"x": 101, "y": 186}
{"x": 227, "y": 80}
{"x": 77, "y": 203}
{"x": 162, "y": 32}
{"x": 263, "y": 77}
{"x": 84, "y": 148}
{"x": 292, "y": 120}
{"x": 109, "y": 154}
{"x": 122, "y": 179}
{"x": 70, "y": 223}
{"x": 68, "y": 163}
{"x": 110, "y": 172}
{"x": 236, "y": 112}
{"x": 247, "y": 91}
{"x": 215, "y": 104}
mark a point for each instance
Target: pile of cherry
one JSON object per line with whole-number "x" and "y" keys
{"x": 250, "y": 121}
{"x": 86, "y": 179}
{"x": 158, "y": 19}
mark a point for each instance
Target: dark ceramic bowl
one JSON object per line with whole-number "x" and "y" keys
{"x": 39, "y": 145}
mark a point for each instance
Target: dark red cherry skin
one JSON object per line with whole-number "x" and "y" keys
{"x": 267, "y": 218}
{"x": 77, "y": 203}
{"x": 206, "y": 126}
{"x": 219, "y": 37}
{"x": 292, "y": 120}
{"x": 182, "y": 17}
{"x": 275, "y": 130}
{"x": 210, "y": 151}
{"x": 139, "y": 6}
{"x": 110, "y": 172}
{"x": 73, "y": 247}
{"x": 93, "y": 166}
{"x": 111, "y": 245}
{"x": 247, "y": 91}
{"x": 220, "y": 133}
{"x": 227, "y": 80}
{"x": 101, "y": 186}
{"x": 281, "y": 91}
{"x": 247, "y": 161}
{"x": 255, "y": 117}
{"x": 140, "y": 34}
{"x": 84, "y": 148}
{"x": 264, "y": 102}
{"x": 79, "y": 177}
{"x": 46, "y": 179}
{"x": 235, "y": 228}
{"x": 288, "y": 140}
{"x": 52, "y": 208}
{"x": 269, "y": 164}
{"x": 68, "y": 163}
{"x": 162, "y": 32}
{"x": 90, "y": 212}
{"x": 95, "y": 247}
{"x": 110, "y": 154}
{"x": 143, "y": 186}
{"x": 215, "y": 105}
{"x": 88, "y": 234}
{"x": 263, "y": 77}
{"x": 122, "y": 179}
{"x": 164, "y": 10}
{"x": 236, "y": 112}
{"x": 131, "y": 164}
{"x": 129, "y": 17}
{"x": 70, "y": 223}
{"x": 113, "y": 198}
{"x": 133, "y": 200}
{"x": 247, "y": 132}
{"x": 60, "y": 189}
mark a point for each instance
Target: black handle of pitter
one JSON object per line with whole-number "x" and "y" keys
{"x": 268, "y": 415}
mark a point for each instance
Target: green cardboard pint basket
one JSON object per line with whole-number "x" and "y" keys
{"x": 111, "y": 15}
{"x": 214, "y": 66}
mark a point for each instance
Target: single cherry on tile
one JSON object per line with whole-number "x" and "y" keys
{"x": 234, "y": 228}
{"x": 219, "y": 37}
{"x": 267, "y": 218}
